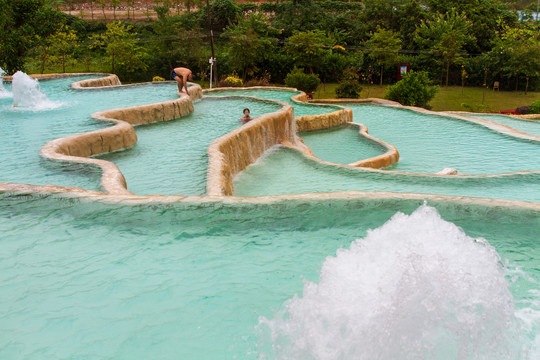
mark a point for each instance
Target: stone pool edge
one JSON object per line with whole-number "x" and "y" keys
{"x": 72, "y": 195}
{"x": 231, "y": 153}
{"x": 325, "y": 121}
{"x": 126, "y": 197}
{"x": 77, "y": 148}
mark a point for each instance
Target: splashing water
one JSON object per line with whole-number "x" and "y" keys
{"x": 3, "y": 92}
{"x": 416, "y": 288}
{"x": 27, "y": 94}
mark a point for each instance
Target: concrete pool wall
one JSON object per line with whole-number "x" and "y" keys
{"x": 77, "y": 148}
{"x": 277, "y": 127}
{"x": 235, "y": 151}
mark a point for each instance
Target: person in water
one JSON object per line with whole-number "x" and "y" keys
{"x": 244, "y": 119}
{"x": 182, "y": 75}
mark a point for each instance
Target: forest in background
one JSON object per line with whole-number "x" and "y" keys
{"x": 458, "y": 42}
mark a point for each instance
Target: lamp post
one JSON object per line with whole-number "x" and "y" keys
{"x": 213, "y": 65}
{"x": 485, "y": 85}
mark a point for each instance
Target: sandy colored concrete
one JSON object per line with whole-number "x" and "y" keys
{"x": 323, "y": 121}
{"x": 53, "y": 76}
{"x": 77, "y": 148}
{"x": 233, "y": 152}
{"x": 229, "y": 155}
{"x": 109, "y": 80}
{"x": 528, "y": 116}
{"x": 390, "y": 157}
{"x": 491, "y": 207}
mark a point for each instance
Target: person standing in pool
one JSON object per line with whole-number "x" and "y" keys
{"x": 182, "y": 75}
{"x": 246, "y": 118}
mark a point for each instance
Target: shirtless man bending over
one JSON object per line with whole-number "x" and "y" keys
{"x": 182, "y": 75}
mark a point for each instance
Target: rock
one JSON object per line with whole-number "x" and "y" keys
{"x": 447, "y": 171}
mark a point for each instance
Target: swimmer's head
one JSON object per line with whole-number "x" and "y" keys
{"x": 246, "y": 111}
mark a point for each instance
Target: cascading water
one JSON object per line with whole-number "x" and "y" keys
{"x": 416, "y": 288}
{"x": 3, "y": 92}
{"x": 27, "y": 94}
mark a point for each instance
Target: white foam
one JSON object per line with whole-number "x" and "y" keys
{"x": 3, "y": 92}
{"x": 416, "y": 288}
{"x": 28, "y": 96}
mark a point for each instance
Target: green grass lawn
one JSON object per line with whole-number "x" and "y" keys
{"x": 451, "y": 98}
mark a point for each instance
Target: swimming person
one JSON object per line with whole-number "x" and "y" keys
{"x": 182, "y": 75}
{"x": 246, "y": 118}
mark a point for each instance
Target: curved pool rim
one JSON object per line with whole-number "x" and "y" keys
{"x": 124, "y": 196}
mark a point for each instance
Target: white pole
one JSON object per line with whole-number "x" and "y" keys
{"x": 211, "y": 70}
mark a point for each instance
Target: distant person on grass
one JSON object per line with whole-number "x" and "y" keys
{"x": 182, "y": 75}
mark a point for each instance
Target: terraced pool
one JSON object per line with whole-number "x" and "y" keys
{"x": 324, "y": 275}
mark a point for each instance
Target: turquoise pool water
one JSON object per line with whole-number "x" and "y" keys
{"x": 87, "y": 280}
{"x": 171, "y": 157}
{"x": 26, "y": 130}
{"x": 287, "y": 171}
{"x": 300, "y": 109}
{"x": 289, "y": 279}
{"x": 341, "y": 144}
{"x": 531, "y": 127}
{"x": 429, "y": 143}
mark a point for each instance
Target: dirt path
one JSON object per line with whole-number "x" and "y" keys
{"x": 141, "y": 10}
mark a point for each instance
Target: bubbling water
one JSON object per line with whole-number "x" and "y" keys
{"x": 3, "y": 92}
{"x": 416, "y": 288}
{"x": 27, "y": 94}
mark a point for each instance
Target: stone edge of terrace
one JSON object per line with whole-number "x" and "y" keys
{"x": 77, "y": 148}
{"x": 324, "y": 121}
{"x": 34, "y": 192}
{"x": 116, "y": 182}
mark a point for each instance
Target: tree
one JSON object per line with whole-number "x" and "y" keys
{"x": 102, "y": 4}
{"x": 223, "y": 13}
{"x": 130, "y": 4}
{"x": 444, "y": 38}
{"x": 308, "y": 48}
{"x": 307, "y": 83}
{"x": 61, "y": 44}
{"x": 121, "y": 48}
{"x": 413, "y": 90}
{"x": 349, "y": 87}
{"x": 114, "y": 5}
{"x": 485, "y": 17}
{"x": 383, "y": 14}
{"x": 517, "y": 52}
{"x": 384, "y": 47}
{"x": 248, "y": 41}
{"x": 300, "y": 15}
{"x": 23, "y": 23}
{"x": 190, "y": 3}
{"x": 410, "y": 17}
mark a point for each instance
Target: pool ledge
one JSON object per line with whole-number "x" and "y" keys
{"x": 324, "y": 121}
{"x": 78, "y": 148}
{"x": 233, "y": 152}
{"x": 71, "y": 196}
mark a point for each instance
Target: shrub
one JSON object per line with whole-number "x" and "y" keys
{"x": 263, "y": 80}
{"x": 349, "y": 86}
{"x": 467, "y": 107}
{"x": 413, "y": 90}
{"x": 307, "y": 83}
{"x": 522, "y": 110}
{"x": 231, "y": 81}
{"x": 535, "y": 108}
{"x": 157, "y": 78}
